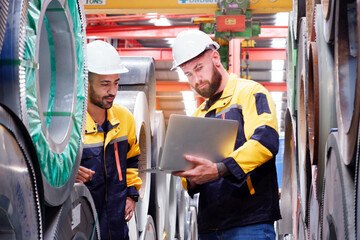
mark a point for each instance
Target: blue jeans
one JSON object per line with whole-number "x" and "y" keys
{"x": 264, "y": 231}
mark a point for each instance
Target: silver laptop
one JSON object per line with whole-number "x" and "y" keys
{"x": 209, "y": 138}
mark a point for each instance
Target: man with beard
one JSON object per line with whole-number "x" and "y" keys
{"x": 239, "y": 194}
{"x": 109, "y": 162}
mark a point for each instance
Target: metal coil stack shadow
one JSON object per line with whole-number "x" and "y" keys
{"x": 321, "y": 133}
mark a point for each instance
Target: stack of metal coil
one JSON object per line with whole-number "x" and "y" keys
{"x": 321, "y": 157}
{"x": 43, "y": 85}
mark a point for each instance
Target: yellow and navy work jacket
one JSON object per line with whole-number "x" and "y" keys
{"x": 114, "y": 158}
{"x": 249, "y": 195}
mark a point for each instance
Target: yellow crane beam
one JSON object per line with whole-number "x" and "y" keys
{"x": 177, "y": 6}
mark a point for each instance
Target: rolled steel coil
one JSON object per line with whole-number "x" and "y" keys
{"x": 338, "y": 210}
{"x": 328, "y": 13}
{"x": 299, "y": 9}
{"x": 21, "y": 193}
{"x": 302, "y": 231}
{"x": 347, "y": 81}
{"x": 193, "y": 224}
{"x": 149, "y": 233}
{"x": 136, "y": 102}
{"x": 133, "y": 231}
{"x": 171, "y": 206}
{"x": 314, "y": 210}
{"x": 327, "y": 111}
{"x": 182, "y": 207}
{"x": 313, "y": 103}
{"x": 357, "y": 187}
{"x": 75, "y": 219}
{"x": 4, "y": 10}
{"x": 310, "y": 14}
{"x": 141, "y": 77}
{"x": 43, "y": 80}
{"x": 303, "y": 163}
{"x": 290, "y": 67}
{"x": 285, "y": 224}
{"x": 158, "y": 180}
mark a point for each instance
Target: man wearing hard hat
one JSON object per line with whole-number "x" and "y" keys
{"x": 110, "y": 157}
{"x": 238, "y": 195}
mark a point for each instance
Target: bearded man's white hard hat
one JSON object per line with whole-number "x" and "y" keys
{"x": 189, "y": 44}
{"x": 103, "y": 59}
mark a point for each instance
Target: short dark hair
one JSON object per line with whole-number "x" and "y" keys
{"x": 91, "y": 76}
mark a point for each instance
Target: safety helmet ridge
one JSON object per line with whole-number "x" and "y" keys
{"x": 103, "y": 59}
{"x": 189, "y": 44}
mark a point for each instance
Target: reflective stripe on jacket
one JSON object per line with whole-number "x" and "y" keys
{"x": 114, "y": 158}
{"x": 250, "y": 194}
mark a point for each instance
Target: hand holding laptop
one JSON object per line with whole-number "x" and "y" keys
{"x": 203, "y": 171}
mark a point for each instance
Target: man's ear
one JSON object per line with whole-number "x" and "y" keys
{"x": 216, "y": 58}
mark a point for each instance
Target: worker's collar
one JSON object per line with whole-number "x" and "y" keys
{"x": 91, "y": 125}
{"x": 225, "y": 96}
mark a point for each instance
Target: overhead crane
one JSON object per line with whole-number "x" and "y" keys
{"x": 202, "y": 12}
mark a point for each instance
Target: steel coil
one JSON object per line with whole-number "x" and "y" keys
{"x": 136, "y": 102}
{"x": 303, "y": 163}
{"x": 182, "y": 207}
{"x": 285, "y": 224}
{"x": 327, "y": 112}
{"x": 290, "y": 67}
{"x": 299, "y": 9}
{"x": 4, "y": 7}
{"x": 75, "y": 219}
{"x": 338, "y": 211}
{"x": 357, "y": 187}
{"x": 141, "y": 77}
{"x": 158, "y": 180}
{"x": 302, "y": 231}
{"x": 328, "y": 13}
{"x": 149, "y": 232}
{"x": 314, "y": 210}
{"x": 133, "y": 232}
{"x": 310, "y": 14}
{"x": 313, "y": 103}
{"x": 193, "y": 224}
{"x": 171, "y": 207}
{"x": 21, "y": 193}
{"x": 347, "y": 83}
{"x": 43, "y": 80}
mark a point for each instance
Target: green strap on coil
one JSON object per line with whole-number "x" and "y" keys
{"x": 94, "y": 228}
{"x": 19, "y": 62}
{"x": 53, "y": 70}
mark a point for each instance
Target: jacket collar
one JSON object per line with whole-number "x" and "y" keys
{"x": 226, "y": 96}
{"x": 91, "y": 126}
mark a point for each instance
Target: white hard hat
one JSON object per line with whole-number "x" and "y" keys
{"x": 189, "y": 44}
{"x": 103, "y": 59}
